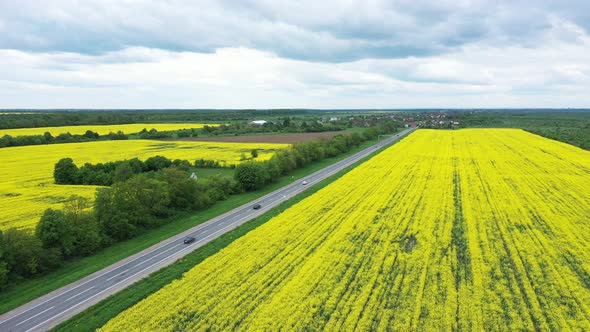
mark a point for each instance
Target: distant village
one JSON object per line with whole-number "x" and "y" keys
{"x": 431, "y": 120}
{"x": 438, "y": 119}
{"x": 408, "y": 120}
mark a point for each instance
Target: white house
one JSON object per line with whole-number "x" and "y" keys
{"x": 258, "y": 122}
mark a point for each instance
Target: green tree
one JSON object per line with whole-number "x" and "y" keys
{"x": 86, "y": 237}
{"x": 286, "y": 161}
{"x": 119, "y": 135}
{"x": 157, "y": 163}
{"x": 273, "y": 168}
{"x": 90, "y": 134}
{"x": 371, "y": 133}
{"x": 182, "y": 189}
{"x": 3, "y": 264}
{"x": 113, "y": 221}
{"x": 92, "y": 175}
{"x": 254, "y": 153}
{"x": 251, "y": 175}
{"x": 55, "y": 231}
{"x": 24, "y": 252}
{"x": 152, "y": 195}
{"x": 137, "y": 165}
{"x": 219, "y": 188}
{"x": 76, "y": 205}
{"x": 86, "y": 234}
{"x": 48, "y": 137}
{"x": 125, "y": 207}
{"x": 64, "y": 137}
{"x": 286, "y": 122}
{"x": 123, "y": 172}
{"x": 3, "y": 274}
{"x": 65, "y": 172}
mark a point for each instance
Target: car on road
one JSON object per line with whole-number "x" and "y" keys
{"x": 304, "y": 183}
{"x": 256, "y": 206}
{"x": 189, "y": 240}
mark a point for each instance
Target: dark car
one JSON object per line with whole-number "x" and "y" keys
{"x": 189, "y": 239}
{"x": 256, "y": 206}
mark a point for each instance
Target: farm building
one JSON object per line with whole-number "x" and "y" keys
{"x": 258, "y": 122}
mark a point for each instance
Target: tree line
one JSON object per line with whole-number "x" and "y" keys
{"x": 106, "y": 174}
{"x": 254, "y": 175}
{"x": 143, "y": 201}
{"x": 48, "y": 138}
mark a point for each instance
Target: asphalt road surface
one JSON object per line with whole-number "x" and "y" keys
{"x": 47, "y": 311}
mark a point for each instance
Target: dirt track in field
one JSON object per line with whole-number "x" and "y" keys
{"x": 271, "y": 138}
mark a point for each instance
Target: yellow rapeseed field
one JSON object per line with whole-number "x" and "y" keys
{"x": 26, "y": 173}
{"x": 471, "y": 230}
{"x": 101, "y": 129}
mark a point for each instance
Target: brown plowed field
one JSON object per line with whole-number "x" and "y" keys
{"x": 271, "y": 138}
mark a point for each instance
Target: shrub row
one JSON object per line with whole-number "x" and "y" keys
{"x": 105, "y": 174}
{"x": 253, "y": 175}
{"x": 47, "y": 138}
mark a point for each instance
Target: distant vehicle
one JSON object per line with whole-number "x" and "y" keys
{"x": 189, "y": 239}
{"x": 256, "y": 206}
{"x": 304, "y": 183}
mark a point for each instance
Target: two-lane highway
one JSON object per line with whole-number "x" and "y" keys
{"x": 59, "y": 305}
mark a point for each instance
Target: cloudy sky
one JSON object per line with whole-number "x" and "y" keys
{"x": 294, "y": 54}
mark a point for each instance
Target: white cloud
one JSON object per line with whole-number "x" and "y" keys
{"x": 475, "y": 76}
{"x": 273, "y": 54}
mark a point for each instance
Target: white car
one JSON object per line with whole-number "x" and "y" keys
{"x": 304, "y": 183}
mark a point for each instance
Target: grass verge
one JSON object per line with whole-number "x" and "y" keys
{"x": 99, "y": 314}
{"x": 71, "y": 271}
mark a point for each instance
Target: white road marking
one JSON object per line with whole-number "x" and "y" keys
{"x": 52, "y": 298}
{"x": 161, "y": 253}
{"x": 118, "y": 274}
{"x": 147, "y": 260}
{"x": 89, "y": 289}
{"x": 28, "y": 319}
